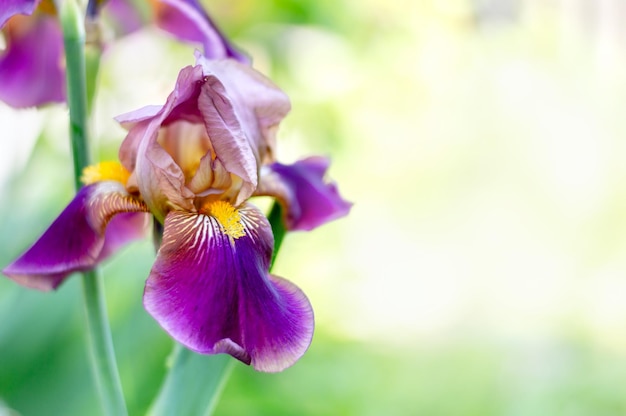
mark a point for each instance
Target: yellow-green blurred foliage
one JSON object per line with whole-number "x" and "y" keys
{"x": 482, "y": 270}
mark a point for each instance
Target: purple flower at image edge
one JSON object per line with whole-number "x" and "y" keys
{"x": 32, "y": 67}
{"x": 32, "y": 63}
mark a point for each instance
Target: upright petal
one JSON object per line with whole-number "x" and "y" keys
{"x": 188, "y": 21}
{"x": 160, "y": 179}
{"x": 32, "y": 65}
{"x": 211, "y": 291}
{"x": 259, "y": 104}
{"x": 85, "y": 232}
{"x": 228, "y": 139}
{"x": 136, "y": 123}
{"x": 308, "y": 201}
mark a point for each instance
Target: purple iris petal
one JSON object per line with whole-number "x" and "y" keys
{"x": 31, "y": 66}
{"x": 307, "y": 199}
{"x": 213, "y": 293}
{"x": 122, "y": 229}
{"x": 80, "y": 236}
{"x": 9, "y": 8}
{"x": 188, "y": 21}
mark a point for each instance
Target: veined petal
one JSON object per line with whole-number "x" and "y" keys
{"x": 308, "y": 201}
{"x": 86, "y": 232}
{"x": 188, "y": 21}
{"x": 258, "y": 103}
{"x": 160, "y": 179}
{"x": 187, "y": 143}
{"x": 128, "y": 120}
{"x": 123, "y": 228}
{"x": 211, "y": 291}
{"x": 230, "y": 143}
{"x": 32, "y": 65}
{"x": 137, "y": 130}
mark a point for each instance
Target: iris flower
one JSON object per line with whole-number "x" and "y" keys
{"x": 32, "y": 63}
{"x": 31, "y": 66}
{"x": 194, "y": 163}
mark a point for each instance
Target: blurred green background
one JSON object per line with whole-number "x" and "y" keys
{"x": 482, "y": 270}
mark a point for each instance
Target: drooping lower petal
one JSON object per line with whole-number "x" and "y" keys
{"x": 32, "y": 65}
{"x": 308, "y": 201}
{"x": 210, "y": 289}
{"x": 122, "y": 229}
{"x": 86, "y": 232}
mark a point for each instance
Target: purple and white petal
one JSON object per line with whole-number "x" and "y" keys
{"x": 80, "y": 237}
{"x": 32, "y": 65}
{"x": 308, "y": 201}
{"x": 213, "y": 293}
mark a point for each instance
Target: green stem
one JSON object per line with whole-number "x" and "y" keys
{"x": 193, "y": 384}
{"x": 99, "y": 336}
{"x": 93, "y": 53}
{"x": 74, "y": 42}
{"x": 101, "y": 346}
